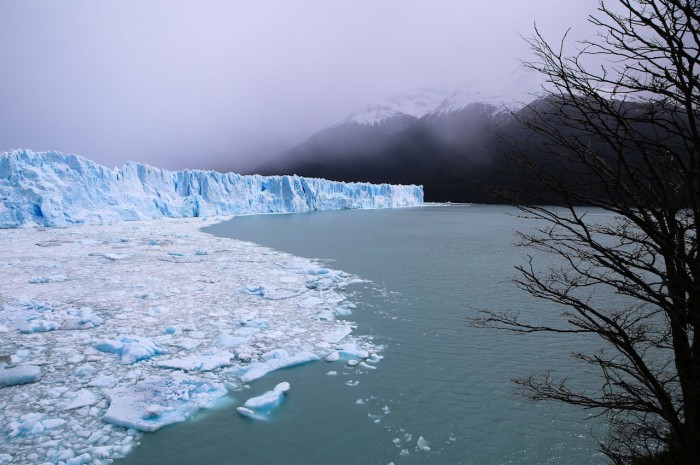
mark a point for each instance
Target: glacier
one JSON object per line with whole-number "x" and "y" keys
{"x": 56, "y": 189}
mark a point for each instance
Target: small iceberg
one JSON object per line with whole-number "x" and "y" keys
{"x": 19, "y": 375}
{"x": 159, "y": 401}
{"x": 260, "y": 407}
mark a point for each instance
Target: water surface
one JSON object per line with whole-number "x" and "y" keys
{"x": 431, "y": 269}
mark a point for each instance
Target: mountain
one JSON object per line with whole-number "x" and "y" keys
{"x": 444, "y": 142}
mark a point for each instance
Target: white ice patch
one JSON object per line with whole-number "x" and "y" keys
{"x": 159, "y": 401}
{"x": 192, "y": 306}
{"x": 260, "y": 407}
{"x": 423, "y": 444}
{"x": 206, "y": 362}
{"x": 130, "y": 349}
{"x": 82, "y": 398}
{"x": 31, "y": 424}
{"x": 19, "y": 375}
{"x": 260, "y": 369}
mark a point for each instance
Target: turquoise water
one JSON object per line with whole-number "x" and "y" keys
{"x": 431, "y": 268}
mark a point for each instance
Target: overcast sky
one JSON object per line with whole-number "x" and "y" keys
{"x": 219, "y": 84}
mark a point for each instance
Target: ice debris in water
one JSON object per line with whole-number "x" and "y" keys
{"x": 204, "y": 362}
{"x": 281, "y": 360}
{"x": 31, "y": 424}
{"x": 135, "y": 345}
{"x": 160, "y": 400}
{"x": 423, "y": 444}
{"x": 349, "y": 351}
{"x": 19, "y": 375}
{"x": 131, "y": 349}
{"x": 260, "y": 407}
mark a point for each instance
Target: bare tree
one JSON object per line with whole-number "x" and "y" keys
{"x": 622, "y": 136}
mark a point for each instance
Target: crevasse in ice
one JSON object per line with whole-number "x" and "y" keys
{"x": 56, "y": 189}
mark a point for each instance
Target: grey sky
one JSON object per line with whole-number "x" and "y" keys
{"x": 221, "y": 83}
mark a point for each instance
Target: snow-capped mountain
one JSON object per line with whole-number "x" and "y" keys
{"x": 426, "y": 137}
{"x": 408, "y": 104}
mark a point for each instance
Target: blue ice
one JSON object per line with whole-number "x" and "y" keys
{"x": 260, "y": 407}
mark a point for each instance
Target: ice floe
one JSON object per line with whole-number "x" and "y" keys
{"x": 160, "y": 400}
{"x": 146, "y": 330}
{"x": 260, "y": 407}
{"x": 19, "y": 375}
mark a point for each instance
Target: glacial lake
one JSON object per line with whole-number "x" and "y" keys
{"x": 430, "y": 269}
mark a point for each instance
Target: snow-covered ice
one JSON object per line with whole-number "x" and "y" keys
{"x": 56, "y": 189}
{"x": 19, "y": 375}
{"x": 158, "y": 401}
{"x": 260, "y": 407}
{"x": 144, "y": 330}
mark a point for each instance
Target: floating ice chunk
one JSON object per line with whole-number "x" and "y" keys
{"x": 347, "y": 352}
{"x": 83, "y": 398}
{"x": 179, "y": 395}
{"x": 84, "y": 370}
{"x": 343, "y": 311}
{"x": 20, "y": 356}
{"x": 260, "y": 407}
{"x": 338, "y": 335}
{"x": 206, "y": 362}
{"x": 423, "y": 444}
{"x": 5, "y": 458}
{"x": 254, "y": 290}
{"x": 228, "y": 340}
{"x": 131, "y": 349}
{"x": 317, "y": 270}
{"x": 82, "y": 318}
{"x": 31, "y": 424}
{"x": 38, "y": 326}
{"x": 170, "y": 330}
{"x": 19, "y": 375}
{"x": 260, "y": 369}
{"x": 351, "y": 350}
{"x": 103, "y": 380}
{"x": 116, "y": 256}
{"x": 366, "y": 365}
{"x": 352, "y": 363}
{"x": 246, "y": 331}
{"x": 325, "y": 315}
{"x": 276, "y": 353}
{"x": 80, "y": 460}
{"x": 332, "y": 373}
{"x": 311, "y": 302}
{"x": 186, "y": 343}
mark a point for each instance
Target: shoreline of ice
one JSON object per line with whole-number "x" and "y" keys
{"x": 116, "y": 329}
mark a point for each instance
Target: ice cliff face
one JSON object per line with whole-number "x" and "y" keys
{"x": 55, "y": 189}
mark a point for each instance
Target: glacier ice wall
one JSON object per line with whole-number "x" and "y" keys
{"x": 56, "y": 189}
